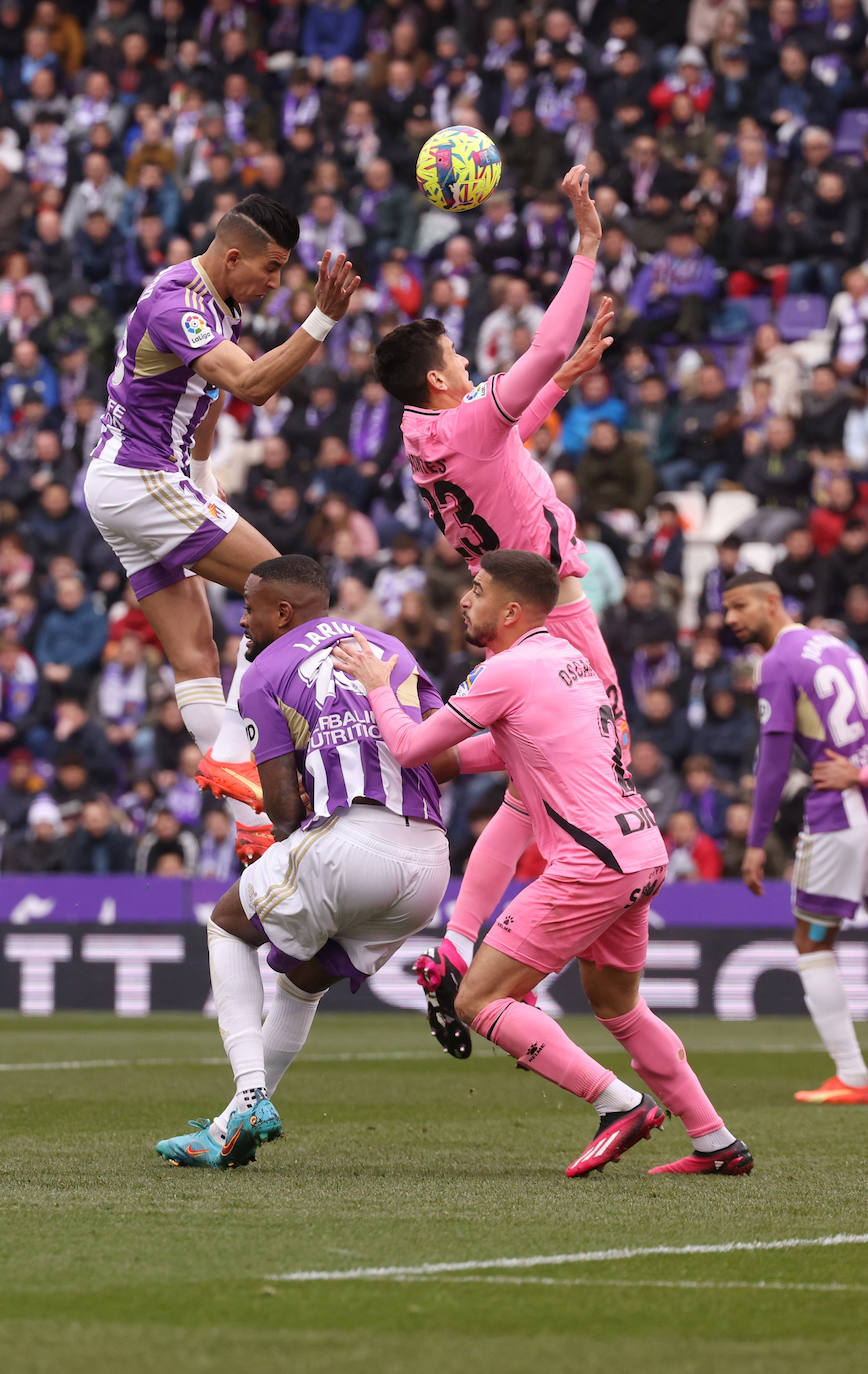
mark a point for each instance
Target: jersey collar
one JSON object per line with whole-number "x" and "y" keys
{"x": 224, "y": 306}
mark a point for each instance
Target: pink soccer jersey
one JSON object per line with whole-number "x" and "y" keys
{"x": 481, "y": 486}
{"x": 552, "y": 729}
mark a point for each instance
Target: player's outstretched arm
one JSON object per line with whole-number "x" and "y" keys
{"x": 586, "y": 357}
{"x": 229, "y": 367}
{"x": 557, "y": 330}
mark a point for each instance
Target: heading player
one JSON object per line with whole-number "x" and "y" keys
{"x": 465, "y": 446}
{"x": 347, "y": 883}
{"x": 547, "y": 721}
{"x": 813, "y": 692}
{"x": 149, "y": 486}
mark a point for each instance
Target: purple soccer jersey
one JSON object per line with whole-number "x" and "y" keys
{"x": 155, "y": 399}
{"x": 294, "y": 698}
{"x": 813, "y": 689}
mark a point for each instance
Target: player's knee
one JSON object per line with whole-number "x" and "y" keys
{"x": 809, "y": 937}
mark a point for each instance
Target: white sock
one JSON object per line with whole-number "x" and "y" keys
{"x": 713, "y": 1140}
{"x": 238, "y": 999}
{"x": 285, "y": 1031}
{"x": 618, "y": 1097}
{"x": 286, "y": 1028}
{"x": 231, "y": 743}
{"x": 462, "y": 943}
{"x": 202, "y": 706}
{"x": 826, "y": 1000}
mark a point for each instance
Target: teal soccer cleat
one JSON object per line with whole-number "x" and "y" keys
{"x": 245, "y": 1130}
{"x": 198, "y": 1150}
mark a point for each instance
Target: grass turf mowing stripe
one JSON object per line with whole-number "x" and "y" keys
{"x": 543, "y": 1281}
{"x": 579, "y": 1257}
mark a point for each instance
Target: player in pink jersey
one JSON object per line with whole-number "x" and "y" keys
{"x": 546, "y": 719}
{"x": 485, "y": 491}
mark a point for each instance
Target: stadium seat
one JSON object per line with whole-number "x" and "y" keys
{"x": 726, "y": 511}
{"x": 851, "y": 133}
{"x": 760, "y": 556}
{"x": 758, "y": 307}
{"x": 700, "y": 556}
{"x": 737, "y": 363}
{"x": 691, "y": 508}
{"x": 799, "y": 316}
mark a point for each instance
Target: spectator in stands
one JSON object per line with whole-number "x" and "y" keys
{"x": 790, "y": 97}
{"x": 778, "y": 473}
{"x": 673, "y": 291}
{"x": 664, "y": 547}
{"x": 701, "y": 796}
{"x": 603, "y": 583}
{"x": 40, "y": 847}
{"x": 776, "y": 362}
{"x": 735, "y": 843}
{"x": 729, "y": 562}
{"x": 403, "y": 573}
{"x": 98, "y": 845}
{"x": 757, "y": 253}
{"x": 856, "y": 616}
{"x": 706, "y": 435}
{"x": 827, "y": 239}
{"x": 217, "y": 858}
{"x": 846, "y": 565}
{"x": 166, "y": 836}
{"x": 655, "y": 778}
{"x": 693, "y": 855}
{"x": 17, "y": 792}
{"x": 846, "y": 498}
{"x": 801, "y": 574}
{"x": 847, "y": 324}
{"x": 728, "y": 734}
{"x": 593, "y": 402}
{"x": 71, "y": 637}
{"x": 77, "y": 740}
{"x": 662, "y": 722}
{"x": 101, "y": 189}
{"x": 825, "y": 406}
{"x": 612, "y": 474}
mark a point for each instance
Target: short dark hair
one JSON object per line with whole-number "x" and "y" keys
{"x": 752, "y": 578}
{"x": 528, "y": 575}
{"x": 404, "y": 358}
{"x": 295, "y": 569}
{"x": 256, "y": 221}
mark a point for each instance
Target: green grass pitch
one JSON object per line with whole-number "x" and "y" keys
{"x": 396, "y": 1157}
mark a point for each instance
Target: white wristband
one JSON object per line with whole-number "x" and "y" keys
{"x": 318, "y": 325}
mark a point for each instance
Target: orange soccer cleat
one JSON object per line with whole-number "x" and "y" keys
{"x": 251, "y": 842}
{"x": 834, "y": 1093}
{"x": 237, "y": 780}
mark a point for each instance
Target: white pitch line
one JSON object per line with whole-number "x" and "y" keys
{"x": 579, "y": 1257}
{"x": 542, "y": 1281}
{"x": 69, "y": 1064}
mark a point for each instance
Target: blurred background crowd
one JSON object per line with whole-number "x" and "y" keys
{"x": 728, "y": 146}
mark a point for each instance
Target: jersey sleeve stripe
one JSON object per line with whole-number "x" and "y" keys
{"x": 467, "y": 720}
{"x": 510, "y": 419}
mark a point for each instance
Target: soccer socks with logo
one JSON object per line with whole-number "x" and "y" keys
{"x": 284, "y": 1032}
{"x": 237, "y": 986}
{"x": 538, "y": 1043}
{"x": 286, "y": 1028}
{"x": 490, "y": 868}
{"x": 826, "y": 1000}
{"x": 658, "y": 1056}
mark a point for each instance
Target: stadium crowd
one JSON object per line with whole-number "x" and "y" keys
{"x": 728, "y": 144}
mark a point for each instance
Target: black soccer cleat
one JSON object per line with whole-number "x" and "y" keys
{"x": 440, "y": 980}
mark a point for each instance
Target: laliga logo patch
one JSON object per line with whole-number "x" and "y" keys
{"x": 251, "y": 731}
{"x": 477, "y": 393}
{"x": 764, "y": 711}
{"x": 196, "y": 328}
{"x": 469, "y": 680}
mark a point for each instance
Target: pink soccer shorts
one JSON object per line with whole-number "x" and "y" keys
{"x": 602, "y": 917}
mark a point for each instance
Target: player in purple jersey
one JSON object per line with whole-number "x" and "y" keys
{"x": 812, "y": 692}
{"x": 345, "y": 884}
{"x": 149, "y": 487}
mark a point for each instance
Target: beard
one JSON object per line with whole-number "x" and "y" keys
{"x": 253, "y": 650}
{"x": 481, "y": 636}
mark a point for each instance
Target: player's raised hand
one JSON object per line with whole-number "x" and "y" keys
{"x": 591, "y": 349}
{"x": 576, "y": 185}
{"x": 335, "y": 284}
{"x": 358, "y": 660}
{"x": 836, "y": 775}
{"x": 753, "y": 867}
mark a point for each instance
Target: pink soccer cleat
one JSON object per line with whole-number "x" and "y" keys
{"x": 618, "y": 1132}
{"x": 732, "y": 1159}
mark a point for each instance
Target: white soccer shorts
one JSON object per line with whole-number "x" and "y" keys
{"x": 830, "y": 875}
{"x": 364, "y": 880}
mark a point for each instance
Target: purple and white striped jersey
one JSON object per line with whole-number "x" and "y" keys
{"x": 814, "y": 689}
{"x": 293, "y": 697}
{"x": 155, "y": 399}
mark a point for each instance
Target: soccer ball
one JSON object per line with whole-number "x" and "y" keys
{"x": 458, "y": 168}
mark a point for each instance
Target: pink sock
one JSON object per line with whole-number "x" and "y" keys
{"x": 491, "y": 865}
{"x": 658, "y": 1056}
{"x": 538, "y": 1043}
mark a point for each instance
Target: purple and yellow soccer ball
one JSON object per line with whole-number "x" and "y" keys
{"x": 458, "y": 168}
